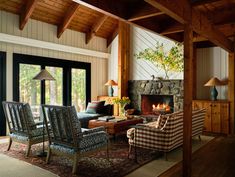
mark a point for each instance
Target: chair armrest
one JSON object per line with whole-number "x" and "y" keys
{"x": 93, "y": 130}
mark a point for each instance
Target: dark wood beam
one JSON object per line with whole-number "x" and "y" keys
{"x": 176, "y": 28}
{"x": 180, "y": 11}
{"x": 27, "y": 12}
{"x": 188, "y": 96}
{"x": 145, "y": 11}
{"x": 202, "y": 2}
{"x": 178, "y": 37}
{"x": 95, "y": 27}
{"x": 112, "y": 36}
{"x": 67, "y": 18}
{"x": 113, "y": 9}
{"x": 222, "y": 16}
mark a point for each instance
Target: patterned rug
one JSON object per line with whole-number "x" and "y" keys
{"x": 92, "y": 165}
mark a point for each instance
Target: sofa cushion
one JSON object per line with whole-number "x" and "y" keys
{"x": 95, "y": 107}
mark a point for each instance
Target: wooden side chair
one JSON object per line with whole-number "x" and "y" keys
{"x": 21, "y": 125}
{"x": 67, "y": 137}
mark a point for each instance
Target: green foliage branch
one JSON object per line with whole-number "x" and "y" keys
{"x": 169, "y": 61}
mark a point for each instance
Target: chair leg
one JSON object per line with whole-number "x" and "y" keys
{"x": 48, "y": 155}
{"x": 199, "y": 137}
{"x": 129, "y": 152}
{"x": 28, "y": 149}
{"x": 9, "y": 145}
{"x": 75, "y": 163}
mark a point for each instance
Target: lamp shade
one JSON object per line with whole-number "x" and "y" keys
{"x": 43, "y": 75}
{"x": 213, "y": 82}
{"x": 111, "y": 83}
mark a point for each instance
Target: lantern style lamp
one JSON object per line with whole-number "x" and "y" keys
{"x": 110, "y": 83}
{"x": 214, "y": 81}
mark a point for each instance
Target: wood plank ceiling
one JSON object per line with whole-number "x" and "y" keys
{"x": 100, "y": 18}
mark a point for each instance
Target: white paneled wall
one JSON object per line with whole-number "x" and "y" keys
{"x": 211, "y": 62}
{"x": 9, "y": 24}
{"x": 141, "y": 69}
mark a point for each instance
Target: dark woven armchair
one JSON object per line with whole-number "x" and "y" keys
{"x": 21, "y": 125}
{"x": 67, "y": 137}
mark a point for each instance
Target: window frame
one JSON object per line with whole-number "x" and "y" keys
{"x": 66, "y": 66}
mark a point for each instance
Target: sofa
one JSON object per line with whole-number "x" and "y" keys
{"x": 94, "y": 110}
{"x": 166, "y": 133}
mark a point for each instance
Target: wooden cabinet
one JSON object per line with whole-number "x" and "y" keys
{"x": 109, "y": 100}
{"x": 217, "y": 115}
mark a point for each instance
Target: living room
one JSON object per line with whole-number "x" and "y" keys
{"x": 35, "y": 42}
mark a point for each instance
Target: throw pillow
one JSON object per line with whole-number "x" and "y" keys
{"x": 95, "y": 107}
{"x": 29, "y": 115}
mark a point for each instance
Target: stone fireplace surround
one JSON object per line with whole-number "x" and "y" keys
{"x": 156, "y": 87}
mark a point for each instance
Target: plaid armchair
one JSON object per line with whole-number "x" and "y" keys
{"x": 21, "y": 125}
{"x": 67, "y": 137}
{"x": 166, "y": 133}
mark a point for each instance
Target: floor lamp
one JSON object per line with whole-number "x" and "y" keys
{"x": 42, "y": 76}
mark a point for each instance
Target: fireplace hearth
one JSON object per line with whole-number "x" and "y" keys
{"x": 157, "y": 104}
{"x": 172, "y": 88}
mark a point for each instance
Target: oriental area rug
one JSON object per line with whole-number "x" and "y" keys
{"x": 93, "y": 165}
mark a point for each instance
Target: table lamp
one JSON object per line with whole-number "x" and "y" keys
{"x": 214, "y": 81}
{"x": 110, "y": 83}
{"x": 42, "y": 76}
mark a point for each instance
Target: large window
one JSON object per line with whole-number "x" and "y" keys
{"x": 79, "y": 89}
{"x": 30, "y": 89}
{"x": 54, "y": 89}
{"x": 71, "y": 86}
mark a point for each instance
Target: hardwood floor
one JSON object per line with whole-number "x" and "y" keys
{"x": 216, "y": 159}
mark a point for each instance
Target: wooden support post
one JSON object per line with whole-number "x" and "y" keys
{"x": 123, "y": 58}
{"x": 188, "y": 95}
{"x": 231, "y": 90}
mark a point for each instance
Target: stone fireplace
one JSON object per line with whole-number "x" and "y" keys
{"x": 152, "y": 88}
{"x": 151, "y": 104}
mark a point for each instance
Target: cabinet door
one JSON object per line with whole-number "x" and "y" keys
{"x": 224, "y": 116}
{"x": 215, "y": 118}
{"x": 207, "y": 121}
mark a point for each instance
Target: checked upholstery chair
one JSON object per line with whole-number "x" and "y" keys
{"x": 67, "y": 137}
{"x": 21, "y": 125}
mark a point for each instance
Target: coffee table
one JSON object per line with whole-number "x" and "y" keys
{"x": 114, "y": 128}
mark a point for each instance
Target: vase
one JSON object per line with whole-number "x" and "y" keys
{"x": 121, "y": 110}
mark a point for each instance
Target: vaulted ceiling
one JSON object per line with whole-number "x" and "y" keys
{"x": 212, "y": 19}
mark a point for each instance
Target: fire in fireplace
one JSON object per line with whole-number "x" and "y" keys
{"x": 155, "y": 104}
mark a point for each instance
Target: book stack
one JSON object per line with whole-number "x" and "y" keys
{"x": 106, "y": 118}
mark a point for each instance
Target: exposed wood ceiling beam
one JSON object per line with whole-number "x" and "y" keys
{"x": 113, "y": 9}
{"x": 95, "y": 28}
{"x": 176, "y": 28}
{"x": 180, "y": 11}
{"x": 202, "y": 2}
{"x": 143, "y": 16}
{"x": 222, "y": 16}
{"x": 27, "y": 12}
{"x": 179, "y": 37}
{"x": 67, "y": 18}
{"x": 112, "y": 36}
{"x": 145, "y": 11}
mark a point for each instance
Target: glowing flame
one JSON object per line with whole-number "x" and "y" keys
{"x": 161, "y": 107}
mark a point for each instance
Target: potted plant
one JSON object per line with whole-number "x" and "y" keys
{"x": 121, "y": 102}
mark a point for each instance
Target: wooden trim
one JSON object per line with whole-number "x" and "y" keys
{"x": 27, "y": 12}
{"x": 188, "y": 95}
{"x": 67, "y": 18}
{"x": 51, "y": 46}
{"x": 231, "y": 89}
{"x": 194, "y": 71}
{"x": 182, "y": 11}
{"x": 95, "y": 28}
{"x": 123, "y": 58}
